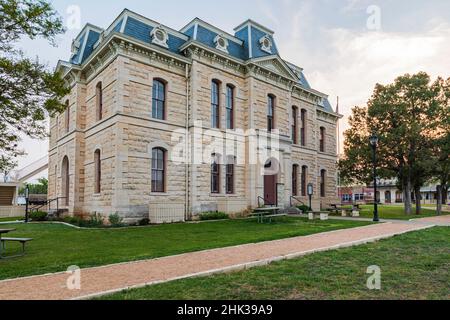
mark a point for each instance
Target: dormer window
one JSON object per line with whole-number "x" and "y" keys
{"x": 75, "y": 46}
{"x": 266, "y": 44}
{"x": 221, "y": 43}
{"x": 160, "y": 37}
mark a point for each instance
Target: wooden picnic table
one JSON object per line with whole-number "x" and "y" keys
{"x": 266, "y": 212}
{"x": 4, "y": 231}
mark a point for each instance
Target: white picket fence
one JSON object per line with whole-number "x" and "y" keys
{"x": 166, "y": 212}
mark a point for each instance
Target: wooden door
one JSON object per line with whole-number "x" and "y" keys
{"x": 270, "y": 197}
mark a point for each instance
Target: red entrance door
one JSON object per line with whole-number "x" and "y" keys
{"x": 270, "y": 183}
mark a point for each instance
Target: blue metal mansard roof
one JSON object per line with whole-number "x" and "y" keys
{"x": 251, "y": 41}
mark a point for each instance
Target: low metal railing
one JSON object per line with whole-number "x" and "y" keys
{"x": 48, "y": 204}
{"x": 296, "y": 199}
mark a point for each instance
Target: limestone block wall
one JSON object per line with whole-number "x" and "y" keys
{"x": 108, "y": 79}
{"x": 136, "y": 90}
{"x": 103, "y": 139}
{"x": 330, "y": 136}
{"x": 127, "y": 133}
{"x": 260, "y": 92}
{"x": 204, "y": 75}
{"x": 311, "y": 122}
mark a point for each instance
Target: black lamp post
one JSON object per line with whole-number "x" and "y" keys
{"x": 374, "y": 143}
{"x": 310, "y": 194}
{"x": 27, "y": 195}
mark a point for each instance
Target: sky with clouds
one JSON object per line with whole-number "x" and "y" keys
{"x": 344, "y": 46}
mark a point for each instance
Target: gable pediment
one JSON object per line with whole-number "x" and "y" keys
{"x": 275, "y": 65}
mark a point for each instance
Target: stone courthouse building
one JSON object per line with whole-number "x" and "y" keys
{"x": 167, "y": 124}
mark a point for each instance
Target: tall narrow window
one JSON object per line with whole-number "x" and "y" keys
{"x": 294, "y": 180}
{"x": 99, "y": 101}
{"x": 158, "y": 170}
{"x": 230, "y": 176}
{"x": 304, "y": 180}
{"x": 323, "y": 174}
{"x": 67, "y": 117}
{"x": 270, "y": 113}
{"x": 56, "y": 182}
{"x": 159, "y": 100}
{"x": 303, "y": 128}
{"x": 215, "y": 174}
{"x": 65, "y": 180}
{"x": 98, "y": 172}
{"x": 215, "y": 103}
{"x": 230, "y": 107}
{"x": 322, "y": 139}
{"x": 294, "y": 125}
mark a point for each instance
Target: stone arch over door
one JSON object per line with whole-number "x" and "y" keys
{"x": 65, "y": 181}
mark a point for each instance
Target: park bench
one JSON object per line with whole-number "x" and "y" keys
{"x": 23, "y": 241}
{"x": 354, "y": 212}
{"x": 322, "y": 215}
{"x": 267, "y": 213}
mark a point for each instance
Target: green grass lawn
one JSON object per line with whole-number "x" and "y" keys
{"x": 394, "y": 212}
{"x": 56, "y": 247}
{"x": 413, "y": 266}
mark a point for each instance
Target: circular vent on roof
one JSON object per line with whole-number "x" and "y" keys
{"x": 221, "y": 43}
{"x": 160, "y": 37}
{"x": 266, "y": 44}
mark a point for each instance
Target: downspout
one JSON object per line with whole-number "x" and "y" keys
{"x": 186, "y": 165}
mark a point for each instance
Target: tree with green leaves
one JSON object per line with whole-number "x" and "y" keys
{"x": 405, "y": 116}
{"x": 441, "y": 147}
{"x": 36, "y": 188}
{"x": 7, "y": 164}
{"x": 29, "y": 92}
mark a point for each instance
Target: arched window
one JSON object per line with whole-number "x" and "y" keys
{"x": 270, "y": 113}
{"x": 294, "y": 125}
{"x": 229, "y": 181}
{"x": 230, "y": 107}
{"x": 323, "y": 191}
{"x": 99, "y": 101}
{"x": 67, "y": 117}
{"x": 304, "y": 180}
{"x": 322, "y": 139}
{"x": 215, "y": 173}
{"x": 159, "y": 100}
{"x": 215, "y": 104}
{"x": 97, "y": 172}
{"x": 158, "y": 169}
{"x": 294, "y": 180}
{"x": 303, "y": 127}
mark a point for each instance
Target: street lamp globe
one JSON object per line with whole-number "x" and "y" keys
{"x": 373, "y": 140}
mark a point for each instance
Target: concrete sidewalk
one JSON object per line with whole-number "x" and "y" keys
{"x": 112, "y": 278}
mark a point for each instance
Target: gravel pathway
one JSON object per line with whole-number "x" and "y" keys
{"x": 113, "y": 278}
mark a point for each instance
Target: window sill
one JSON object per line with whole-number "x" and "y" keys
{"x": 159, "y": 194}
{"x": 216, "y": 195}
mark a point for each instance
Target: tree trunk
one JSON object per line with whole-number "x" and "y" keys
{"x": 418, "y": 200}
{"x": 439, "y": 200}
{"x": 444, "y": 195}
{"x": 407, "y": 198}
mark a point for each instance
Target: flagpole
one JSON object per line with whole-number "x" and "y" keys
{"x": 338, "y": 148}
